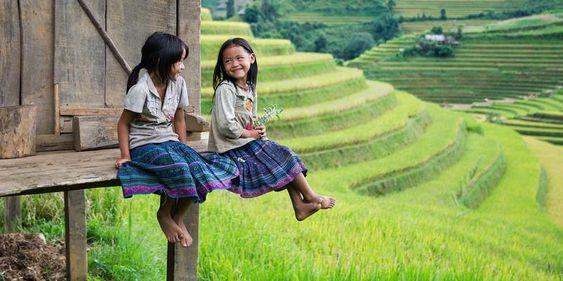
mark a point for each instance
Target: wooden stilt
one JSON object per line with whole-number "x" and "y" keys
{"x": 75, "y": 235}
{"x": 182, "y": 262}
{"x": 12, "y": 213}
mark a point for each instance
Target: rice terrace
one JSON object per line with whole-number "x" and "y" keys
{"x": 437, "y": 125}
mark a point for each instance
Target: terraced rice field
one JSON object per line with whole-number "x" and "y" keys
{"x": 423, "y": 193}
{"x": 447, "y": 25}
{"x": 312, "y": 17}
{"x": 454, "y": 8}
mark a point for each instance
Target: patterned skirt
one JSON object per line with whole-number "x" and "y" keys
{"x": 176, "y": 170}
{"x": 264, "y": 166}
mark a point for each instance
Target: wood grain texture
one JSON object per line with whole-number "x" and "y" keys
{"x": 75, "y": 235}
{"x": 10, "y": 53}
{"x": 94, "y": 132}
{"x": 63, "y": 170}
{"x": 182, "y": 262}
{"x": 79, "y": 54}
{"x": 54, "y": 142}
{"x": 12, "y": 214}
{"x": 37, "y": 60}
{"x": 17, "y": 131}
{"x": 129, "y": 23}
{"x": 189, "y": 26}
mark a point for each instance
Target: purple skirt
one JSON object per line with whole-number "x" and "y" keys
{"x": 264, "y": 166}
{"x": 176, "y": 170}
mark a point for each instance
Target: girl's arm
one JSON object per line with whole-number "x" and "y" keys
{"x": 180, "y": 125}
{"x": 123, "y": 136}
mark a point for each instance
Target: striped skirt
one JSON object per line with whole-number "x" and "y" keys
{"x": 264, "y": 166}
{"x": 176, "y": 170}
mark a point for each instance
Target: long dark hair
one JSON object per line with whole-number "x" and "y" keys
{"x": 160, "y": 51}
{"x": 219, "y": 75}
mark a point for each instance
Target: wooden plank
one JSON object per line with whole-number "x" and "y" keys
{"x": 129, "y": 23}
{"x": 54, "y": 142}
{"x": 94, "y": 132}
{"x": 189, "y": 30}
{"x": 64, "y": 170}
{"x": 85, "y": 111}
{"x": 12, "y": 214}
{"x": 37, "y": 60}
{"x": 79, "y": 54}
{"x": 182, "y": 262}
{"x": 10, "y": 53}
{"x": 75, "y": 235}
{"x": 17, "y": 131}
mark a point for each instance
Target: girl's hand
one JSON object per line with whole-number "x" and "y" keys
{"x": 261, "y": 130}
{"x": 252, "y": 133}
{"x": 120, "y": 161}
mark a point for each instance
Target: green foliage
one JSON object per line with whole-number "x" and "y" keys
{"x": 274, "y": 20}
{"x": 230, "y": 8}
{"x": 437, "y": 30}
{"x": 443, "y": 15}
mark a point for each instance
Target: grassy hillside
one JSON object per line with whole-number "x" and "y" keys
{"x": 423, "y": 193}
{"x": 495, "y": 66}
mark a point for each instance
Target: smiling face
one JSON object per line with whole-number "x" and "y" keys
{"x": 178, "y": 67}
{"x": 236, "y": 62}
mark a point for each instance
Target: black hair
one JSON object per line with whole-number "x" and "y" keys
{"x": 160, "y": 51}
{"x": 219, "y": 75}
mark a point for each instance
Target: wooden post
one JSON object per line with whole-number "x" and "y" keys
{"x": 75, "y": 235}
{"x": 182, "y": 262}
{"x": 12, "y": 213}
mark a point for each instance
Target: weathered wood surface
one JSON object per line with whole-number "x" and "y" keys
{"x": 85, "y": 111}
{"x": 66, "y": 170}
{"x": 17, "y": 131}
{"x": 94, "y": 132}
{"x": 37, "y": 60}
{"x": 75, "y": 235}
{"x": 80, "y": 54}
{"x": 182, "y": 262}
{"x": 189, "y": 12}
{"x": 129, "y": 23}
{"x": 54, "y": 142}
{"x": 10, "y": 53}
{"x": 12, "y": 213}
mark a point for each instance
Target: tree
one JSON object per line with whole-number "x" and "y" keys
{"x": 437, "y": 30}
{"x": 230, "y": 8}
{"x": 357, "y": 45}
{"x": 321, "y": 43}
{"x": 443, "y": 14}
{"x": 391, "y": 5}
{"x": 385, "y": 27}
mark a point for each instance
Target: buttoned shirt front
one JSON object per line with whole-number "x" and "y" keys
{"x": 154, "y": 123}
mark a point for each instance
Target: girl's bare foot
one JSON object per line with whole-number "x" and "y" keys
{"x": 325, "y": 201}
{"x": 171, "y": 230}
{"x": 186, "y": 239}
{"x": 305, "y": 210}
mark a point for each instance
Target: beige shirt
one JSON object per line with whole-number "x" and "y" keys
{"x": 154, "y": 124}
{"x": 234, "y": 110}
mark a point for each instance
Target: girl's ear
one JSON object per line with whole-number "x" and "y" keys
{"x": 252, "y": 58}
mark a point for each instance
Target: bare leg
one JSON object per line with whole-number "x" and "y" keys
{"x": 301, "y": 185}
{"x": 164, "y": 215}
{"x": 178, "y": 217}
{"x": 302, "y": 210}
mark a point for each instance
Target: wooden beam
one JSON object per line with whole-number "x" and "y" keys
{"x": 12, "y": 214}
{"x": 88, "y": 111}
{"x": 189, "y": 29}
{"x": 94, "y": 132}
{"x": 75, "y": 235}
{"x": 54, "y": 142}
{"x": 182, "y": 262}
{"x": 106, "y": 37}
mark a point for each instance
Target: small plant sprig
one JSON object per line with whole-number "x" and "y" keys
{"x": 269, "y": 113}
